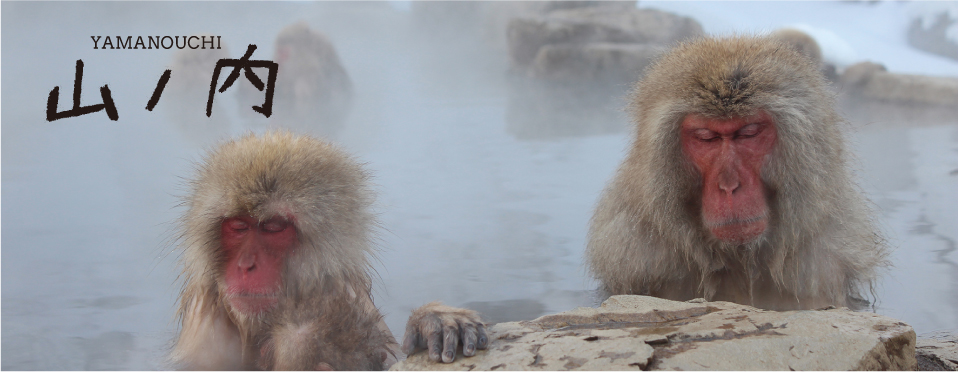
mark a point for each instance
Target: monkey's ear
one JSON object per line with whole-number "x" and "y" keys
{"x": 323, "y": 366}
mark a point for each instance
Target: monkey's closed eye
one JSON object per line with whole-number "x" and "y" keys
{"x": 236, "y": 224}
{"x": 705, "y": 135}
{"x": 749, "y": 131}
{"x": 275, "y": 224}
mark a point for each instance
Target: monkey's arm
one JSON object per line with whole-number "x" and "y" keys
{"x": 440, "y": 328}
{"x": 208, "y": 340}
{"x": 391, "y": 354}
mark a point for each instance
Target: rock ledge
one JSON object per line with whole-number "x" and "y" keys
{"x": 639, "y": 332}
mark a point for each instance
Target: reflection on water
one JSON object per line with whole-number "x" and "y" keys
{"x": 548, "y": 110}
{"x": 486, "y": 182}
{"x": 507, "y": 310}
{"x": 108, "y": 351}
{"x": 907, "y": 161}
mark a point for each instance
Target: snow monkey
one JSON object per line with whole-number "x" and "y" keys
{"x": 800, "y": 41}
{"x": 276, "y": 265}
{"x": 314, "y": 93}
{"x": 736, "y": 186}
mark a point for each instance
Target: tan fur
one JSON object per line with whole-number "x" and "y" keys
{"x": 647, "y": 236}
{"x": 801, "y": 42}
{"x": 326, "y": 192}
{"x": 431, "y": 309}
{"x": 328, "y": 329}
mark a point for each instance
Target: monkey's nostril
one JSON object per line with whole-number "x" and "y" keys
{"x": 728, "y": 181}
{"x": 728, "y": 188}
{"x": 247, "y": 264}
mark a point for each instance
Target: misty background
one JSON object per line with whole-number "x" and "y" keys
{"x": 484, "y": 195}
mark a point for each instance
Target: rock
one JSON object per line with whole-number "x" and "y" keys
{"x": 640, "y": 332}
{"x": 548, "y": 6}
{"x": 938, "y": 352}
{"x": 873, "y": 82}
{"x": 935, "y": 38}
{"x": 860, "y": 73}
{"x": 490, "y": 18}
{"x": 583, "y": 60}
{"x": 526, "y": 36}
{"x": 594, "y": 61}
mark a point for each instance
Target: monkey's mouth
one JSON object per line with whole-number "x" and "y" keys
{"x": 253, "y": 303}
{"x": 738, "y": 230}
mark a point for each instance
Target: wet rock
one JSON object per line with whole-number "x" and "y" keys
{"x": 933, "y": 37}
{"x": 594, "y": 61}
{"x": 528, "y": 37}
{"x": 937, "y": 352}
{"x": 570, "y": 65}
{"x": 639, "y": 332}
{"x": 490, "y": 18}
{"x": 871, "y": 81}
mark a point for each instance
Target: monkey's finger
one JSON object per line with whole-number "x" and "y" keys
{"x": 469, "y": 336}
{"x": 411, "y": 341}
{"x": 450, "y": 331}
{"x": 483, "y": 341}
{"x": 433, "y": 335}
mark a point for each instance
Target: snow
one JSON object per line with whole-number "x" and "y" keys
{"x": 847, "y": 31}
{"x": 930, "y": 11}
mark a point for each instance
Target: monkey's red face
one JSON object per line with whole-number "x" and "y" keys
{"x": 255, "y": 257}
{"x": 729, "y": 154}
{"x": 282, "y": 53}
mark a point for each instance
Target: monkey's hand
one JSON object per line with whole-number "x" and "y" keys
{"x": 440, "y": 328}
